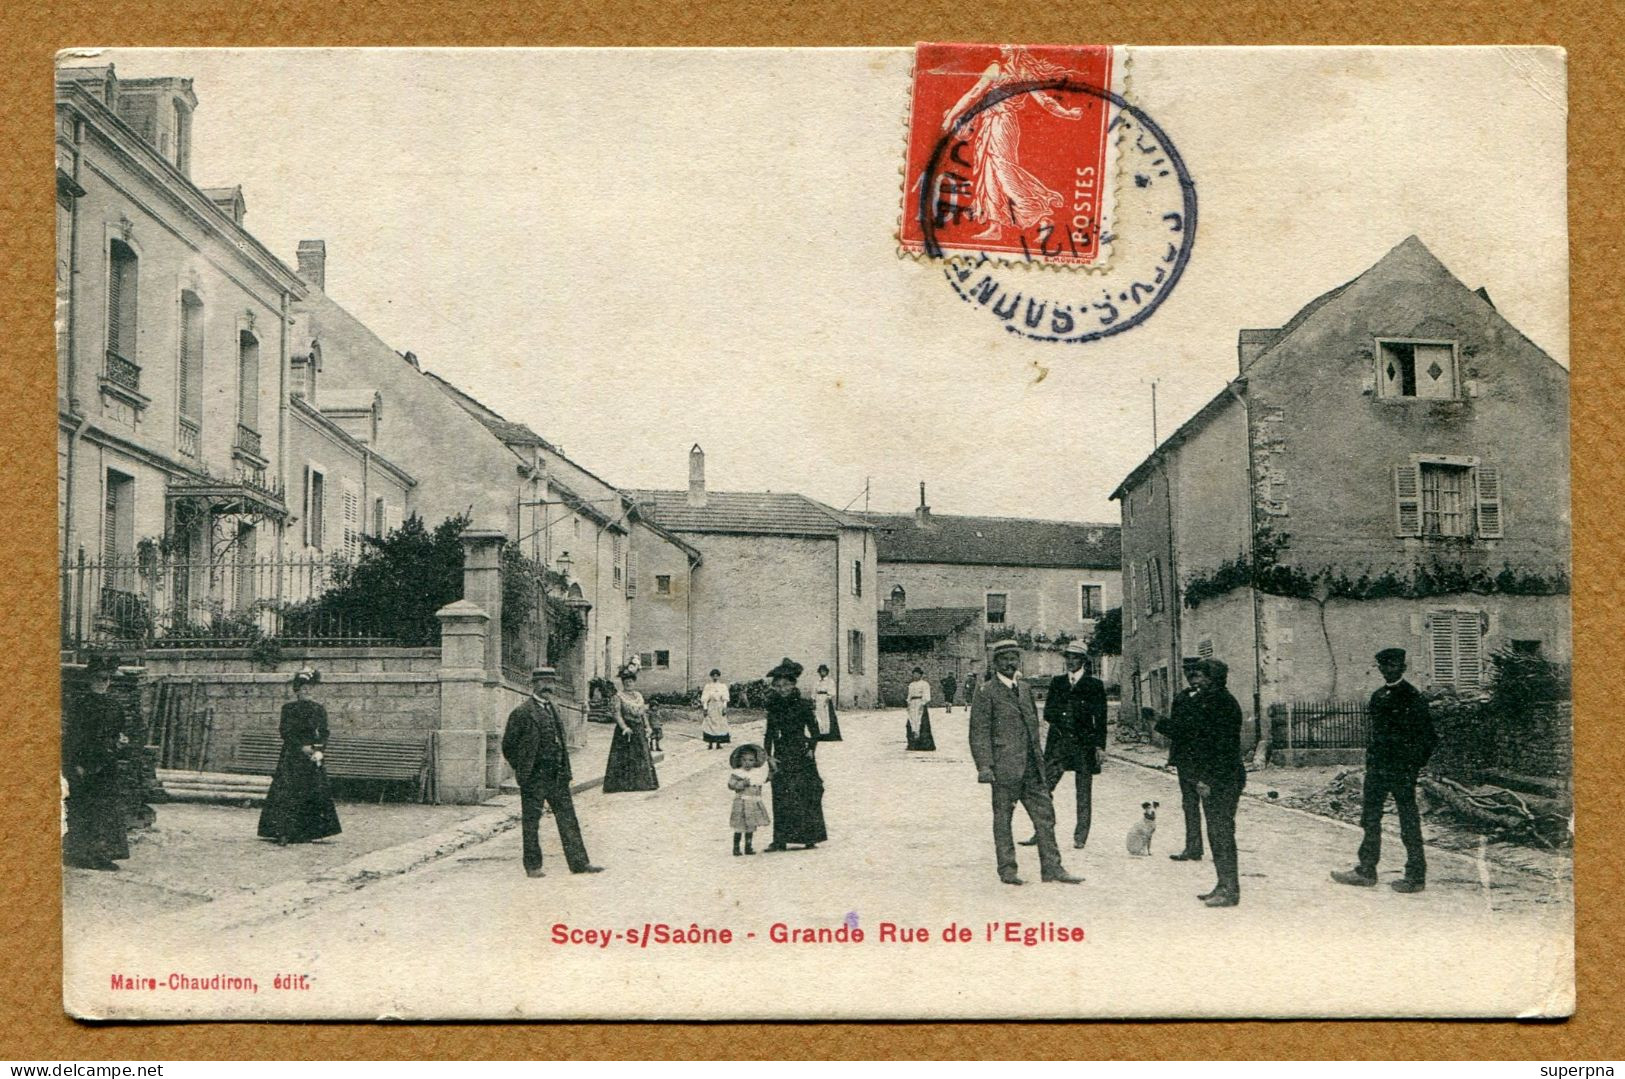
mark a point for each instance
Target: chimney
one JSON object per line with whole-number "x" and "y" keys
{"x": 1250, "y": 344}
{"x": 412, "y": 358}
{"x": 922, "y": 512}
{"x": 696, "y": 476}
{"x": 313, "y": 262}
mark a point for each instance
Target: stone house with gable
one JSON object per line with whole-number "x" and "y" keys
{"x": 1388, "y": 468}
{"x": 1038, "y": 580}
{"x": 775, "y": 575}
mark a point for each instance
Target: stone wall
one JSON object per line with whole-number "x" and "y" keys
{"x": 365, "y": 690}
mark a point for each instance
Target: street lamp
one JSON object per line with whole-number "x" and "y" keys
{"x": 564, "y": 564}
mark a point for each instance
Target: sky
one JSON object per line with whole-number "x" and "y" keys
{"x": 636, "y": 250}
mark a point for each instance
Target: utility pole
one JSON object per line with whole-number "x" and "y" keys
{"x": 1154, "y": 439}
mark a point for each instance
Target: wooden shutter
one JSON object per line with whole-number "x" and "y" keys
{"x": 631, "y": 573}
{"x": 1469, "y": 648}
{"x": 1487, "y": 479}
{"x": 115, "y": 300}
{"x": 1442, "y": 635}
{"x": 1435, "y": 371}
{"x": 190, "y": 357}
{"x": 352, "y": 521}
{"x": 1407, "y": 500}
{"x": 305, "y": 512}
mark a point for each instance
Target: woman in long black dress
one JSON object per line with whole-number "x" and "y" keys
{"x": 792, "y": 735}
{"x": 299, "y": 805}
{"x": 631, "y": 765}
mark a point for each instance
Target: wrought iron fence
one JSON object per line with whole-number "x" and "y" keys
{"x": 153, "y": 600}
{"x": 1321, "y": 724}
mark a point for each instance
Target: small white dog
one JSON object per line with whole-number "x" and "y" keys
{"x": 1139, "y": 836}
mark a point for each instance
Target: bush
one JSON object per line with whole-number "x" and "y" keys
{"x": 752, "y": 694}
{"x": 691, "y": 699}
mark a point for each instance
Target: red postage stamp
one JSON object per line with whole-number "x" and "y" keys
{"x": 1008, "y": 152}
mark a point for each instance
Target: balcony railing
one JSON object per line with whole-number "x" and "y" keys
{"x": 248, "y": 440}
{"x": 123, "y": 372}
{"x": 191, "y": 436}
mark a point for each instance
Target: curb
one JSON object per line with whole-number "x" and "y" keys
{"x": 287, "y": 897}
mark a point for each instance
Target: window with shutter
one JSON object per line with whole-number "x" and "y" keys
{"x": 318, "y": 509}
{"x": 631, "y": 573}
{"x": 121, "y": 300}
{"x": 378, "y": 526}
{"x": 352, "y": 521}
{"x": 1457, "y": 639}
{"x": 248, "y": 382}
{"x": 1444, "y": 499}
{"x": 1407, "y": 500}
{"x": 191, "y": 367}
{"x": 1487, "y": 483}
{"x": 1423, "y": 370}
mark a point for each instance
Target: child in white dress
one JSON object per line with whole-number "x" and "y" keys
{"x": 751, "y": 771}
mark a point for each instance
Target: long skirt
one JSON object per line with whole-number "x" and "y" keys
{"x": 829, "y": 725}
{"x": 630, "y": 766}
{"x": 299, "y": 805}
{"x": 919, "y": 731}
{"x": 715, "y": 728}
{"x": 95, "y": 823}
{"x": 798, "y": 803}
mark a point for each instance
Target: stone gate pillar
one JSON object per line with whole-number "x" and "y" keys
{"x": 465, "y": 696}
{"x": 482, "y": 586}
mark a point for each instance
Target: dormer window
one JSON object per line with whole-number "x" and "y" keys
{"x": 1423, "y": 370}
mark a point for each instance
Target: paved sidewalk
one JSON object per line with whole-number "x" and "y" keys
{"x": 203, "y": 865}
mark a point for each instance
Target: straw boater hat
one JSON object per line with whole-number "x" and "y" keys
{"x": 733, "y": 758}
{"x": 1075, "y": 648}
{"x": 306, "y": 676}
{"x": 1007, "y": 644}
{"x": 549, "y": 673}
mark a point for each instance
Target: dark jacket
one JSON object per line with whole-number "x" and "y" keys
{"x": 1004, "y": 731}
{"x": 534, "y": 744}
{"x": 1215, "y": 742}
{"x": 1179, "y": 727}
{"x": 94, "y": 723}
{"x": 1402, "y": 735}
{"x": 1076, "y": 715}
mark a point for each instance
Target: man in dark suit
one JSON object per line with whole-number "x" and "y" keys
{"x": 1220, "y": 775}
{"x": 1402, "y": 740}
{"x": 1004, "y": 743}
{"x": 1075, "y": 710}
{"x": 1178, "y": 728}
{"x": 534, "y": 745}
{"x": 94, "y": 731}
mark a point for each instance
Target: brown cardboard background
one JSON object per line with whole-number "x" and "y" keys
{"x": 30, "y": 974}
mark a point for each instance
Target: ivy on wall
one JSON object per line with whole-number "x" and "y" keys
{"x": 1434, "y": 577}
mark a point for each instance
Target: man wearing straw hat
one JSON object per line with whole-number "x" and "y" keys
{"x": 534, "y": 745}
{"x": 1004, "y": 742}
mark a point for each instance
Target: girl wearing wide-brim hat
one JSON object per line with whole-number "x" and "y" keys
{"x": 751, "y": 770}
{"x": 299, "y": 805}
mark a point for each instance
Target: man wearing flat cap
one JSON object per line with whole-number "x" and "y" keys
{"x": 534, "y": 745}
{"x": 1215, "y": 749}
{"x": 1004, "y": 742}
{"x": 1179, "y": 728}
{"x": 1075, "y": 710}
{"x": 1402, "y": 740}
{"x": 93, "y": 732}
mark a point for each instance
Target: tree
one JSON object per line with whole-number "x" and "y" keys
{"x": 392, "y": 591}
{"x": 1107, "y": 639}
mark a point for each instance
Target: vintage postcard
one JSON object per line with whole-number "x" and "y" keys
{"x": 981, "y": 530}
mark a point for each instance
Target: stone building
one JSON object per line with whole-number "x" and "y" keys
{"x": 776, "y": 575}
{"x": 172, "y": 365}
{"x": 1038, "y": 580}
{"x": 938, "y": 640}
{"x": 1389, "y": 468}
